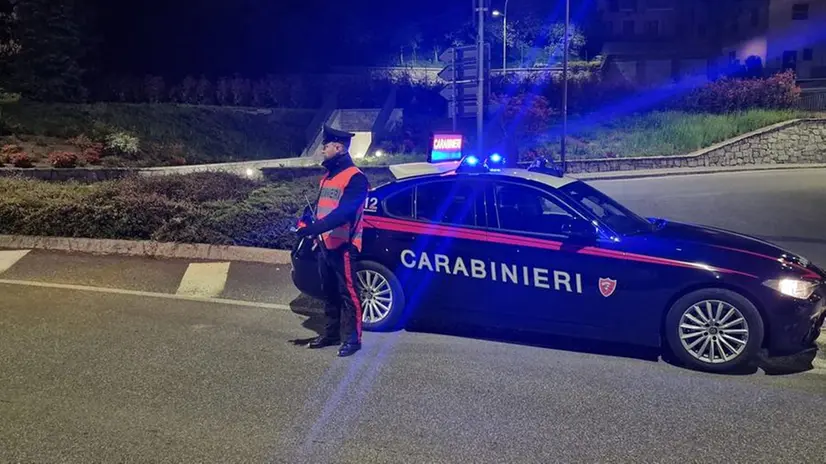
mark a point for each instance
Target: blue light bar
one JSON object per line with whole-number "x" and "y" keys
{"x": 496, "y": 158}
{"x": 472, "y": 163}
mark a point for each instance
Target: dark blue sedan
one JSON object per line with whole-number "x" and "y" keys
{"x": 528, "y": 248}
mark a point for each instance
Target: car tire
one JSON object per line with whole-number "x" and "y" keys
{"x": 697, "y": 340}
{"x": 384, "y": 283}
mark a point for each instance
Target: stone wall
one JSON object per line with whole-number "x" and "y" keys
{"x": 790, "y": 142}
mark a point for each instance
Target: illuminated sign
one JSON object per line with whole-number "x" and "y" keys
{"x": 446, "y": 147}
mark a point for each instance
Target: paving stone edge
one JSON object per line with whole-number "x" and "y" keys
{"x": 146, "y": 248}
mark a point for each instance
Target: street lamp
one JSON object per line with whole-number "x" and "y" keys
{"x": 565, "y": 85}
{"x": 504, "y": 15}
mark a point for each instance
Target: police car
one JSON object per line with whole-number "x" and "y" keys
{"x": 527, "y": 248}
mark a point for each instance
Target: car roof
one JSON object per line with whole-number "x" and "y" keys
{"x": 425, "y": 171}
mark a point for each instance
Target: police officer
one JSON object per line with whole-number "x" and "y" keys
{"x": 343, "y": 192}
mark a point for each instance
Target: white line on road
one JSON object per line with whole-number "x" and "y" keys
{"x": 9, "y": 258}
{"x": 169, "y": 296}
{"x": 204, "y": 280}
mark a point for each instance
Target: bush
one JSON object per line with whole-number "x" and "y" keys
{"x": 7, "y": 151}
{"x": 121, "y": 143}
{"x": 213, "y": 208}
{"x": 779, "y": 91}
{"x": 93, "y": 154}
{"x": 11, "y": 149}
{"x": 21, "y": 160}
{"x": 63, "y": 159}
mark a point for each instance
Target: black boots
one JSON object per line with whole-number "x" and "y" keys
{"x": 323, "y": 342}
{"x": 346, "y": 349}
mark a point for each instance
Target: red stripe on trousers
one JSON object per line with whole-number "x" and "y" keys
{"x": 352, "y": 291}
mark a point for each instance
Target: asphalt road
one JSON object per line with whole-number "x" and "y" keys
{"x": 101, "y": 361}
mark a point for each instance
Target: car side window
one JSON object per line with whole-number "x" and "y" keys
{"x": 447, "y": 202}
{"x": 526, "y": 209}
{"x": 400, "y": 204}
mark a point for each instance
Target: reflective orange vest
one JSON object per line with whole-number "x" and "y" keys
{"x": 331, "y": 192}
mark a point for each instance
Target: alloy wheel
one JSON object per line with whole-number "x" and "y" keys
{"x": 714, "y": 331}
{"x": 376, "y": 296}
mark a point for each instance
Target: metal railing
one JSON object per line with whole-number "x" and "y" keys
{"x": 813, "y": 101}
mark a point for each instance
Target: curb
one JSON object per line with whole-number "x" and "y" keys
{"x": 630, "y": 174}
{"x": 821, "y": 345}
{"x": 146, "y": 248}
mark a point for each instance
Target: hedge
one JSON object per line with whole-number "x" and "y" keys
{"x": 211, "y": 208}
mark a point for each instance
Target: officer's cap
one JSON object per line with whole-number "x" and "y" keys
{"x": 334, "y": 135}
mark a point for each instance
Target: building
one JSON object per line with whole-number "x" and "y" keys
{"x": 655, "y": 42}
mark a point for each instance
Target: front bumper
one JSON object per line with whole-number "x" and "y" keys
{"x": 794, "y": 326}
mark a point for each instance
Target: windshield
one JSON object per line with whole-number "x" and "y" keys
{"x": 613, "y": 214}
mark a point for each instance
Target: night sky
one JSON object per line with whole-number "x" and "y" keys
{"x": 255, "y": 37}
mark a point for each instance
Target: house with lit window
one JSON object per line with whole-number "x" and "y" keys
{"x": 655, "y": 42}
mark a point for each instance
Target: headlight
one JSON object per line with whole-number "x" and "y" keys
{"x": 796, "y": 288}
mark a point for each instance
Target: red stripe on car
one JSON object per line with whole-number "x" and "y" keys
{"x": 415, "y": 227}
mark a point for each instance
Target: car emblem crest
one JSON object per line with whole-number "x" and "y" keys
{"x": 607, "y": 286}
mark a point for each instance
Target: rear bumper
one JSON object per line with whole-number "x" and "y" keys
{"x": 794, "y": 326}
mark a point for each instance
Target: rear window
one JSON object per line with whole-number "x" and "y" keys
{"x": 400, "y": 204}
{"x": 447, "y": 203}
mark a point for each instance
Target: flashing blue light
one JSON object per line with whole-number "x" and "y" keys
{"x": 472, "y": 160}
{"x": 496, "y": 158}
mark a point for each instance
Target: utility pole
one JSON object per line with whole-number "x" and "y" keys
{"x": 565, "y": 85}
{"x": 454, "y": 115}
{"x": 480, "y": 95}
{"x": 505, "y": 39}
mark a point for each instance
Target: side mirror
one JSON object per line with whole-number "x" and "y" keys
{"x": 580, "y": 229}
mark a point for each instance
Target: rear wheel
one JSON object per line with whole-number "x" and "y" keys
{"x": 714, "y": 330}
{"x": 382, "y": 297}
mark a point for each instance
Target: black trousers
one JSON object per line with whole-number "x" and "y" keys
{"x": 342, "y": 306}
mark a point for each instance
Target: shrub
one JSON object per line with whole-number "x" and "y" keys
{"x": 93, "y": 154}
{"x": 121, "y": 143}
{"x": 21, "y": 160}
{"x": 198, "y": 187}
{"x": 213, "y": 208}
{"x": 63, "y": 159}
{"x": 81, "y": 141}
{"x": 532, "y": 114}
{"x": 11, "y": 149}
{"x": 728, "y": 95}
{"x": 7, "y": 151}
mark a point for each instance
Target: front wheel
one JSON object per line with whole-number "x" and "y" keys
{"x": 714, "y": 330}
{"x": 382, "y": 298}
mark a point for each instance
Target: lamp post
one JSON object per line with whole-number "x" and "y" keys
{"x": 565, "y": 85}
{"x": 504, "y": 15}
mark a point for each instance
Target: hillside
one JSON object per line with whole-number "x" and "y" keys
{"x": 161, "y": 134}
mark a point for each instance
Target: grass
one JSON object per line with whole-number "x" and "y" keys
{"x": 663, "y": 133}
{"x": 204, "y": 134}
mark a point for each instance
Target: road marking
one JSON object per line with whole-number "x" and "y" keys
{"x": 9, "y": 258}
{"x": 169, "y": 296}
{"x": 206, "y": 280}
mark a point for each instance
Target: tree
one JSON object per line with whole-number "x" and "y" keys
{"x": 530, "y": 41}
{"x": 47, "y": 65}
{"x": 8, "y": 47}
